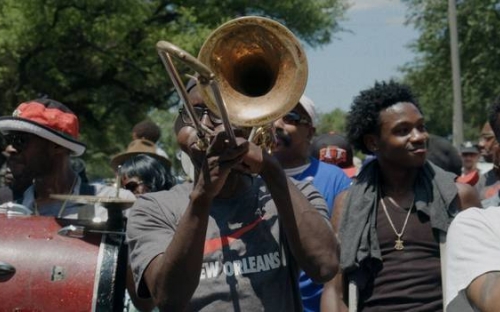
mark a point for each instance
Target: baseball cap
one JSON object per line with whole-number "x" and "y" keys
{"x": 469, "y": 148}
{"x": 334, "y": 149}
{"x": 309, "y": 107}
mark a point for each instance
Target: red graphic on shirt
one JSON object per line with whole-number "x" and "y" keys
{"x": 214, "y": 244}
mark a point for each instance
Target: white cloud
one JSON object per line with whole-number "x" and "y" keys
{"x": 360, "y": 5}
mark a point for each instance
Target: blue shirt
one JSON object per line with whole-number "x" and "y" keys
{"x": 329, "y": 180}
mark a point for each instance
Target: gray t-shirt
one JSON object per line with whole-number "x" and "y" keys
{"x": 247, "y": 265}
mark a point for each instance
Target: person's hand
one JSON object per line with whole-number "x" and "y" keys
{"x": 220, "y": 159}
{"x": 253, "y": 160}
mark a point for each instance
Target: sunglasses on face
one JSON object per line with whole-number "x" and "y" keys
{"x": 17, "y": 140}
{"x": 133, "y": 185}
{"x": 294, "y": 118}
{"x": 199, "y": 112}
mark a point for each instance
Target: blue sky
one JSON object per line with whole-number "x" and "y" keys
{"x": 373, "y": 50}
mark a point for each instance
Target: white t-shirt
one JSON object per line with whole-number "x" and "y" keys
{"x": 472, "y": 249}
{"x": 484, "y": 167}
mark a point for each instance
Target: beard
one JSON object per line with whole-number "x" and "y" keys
{"x": 283, "y": 138}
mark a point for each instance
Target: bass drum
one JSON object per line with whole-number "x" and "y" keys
{"x": 41, "y": 270}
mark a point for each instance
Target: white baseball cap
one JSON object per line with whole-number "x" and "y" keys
{"x": 309, "y": 107}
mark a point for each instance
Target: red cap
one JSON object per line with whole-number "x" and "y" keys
{"x": 52, "y": 118}
{"x": 47, "y": 119}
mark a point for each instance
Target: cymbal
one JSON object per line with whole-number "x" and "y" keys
{"x": 105, "y": 201}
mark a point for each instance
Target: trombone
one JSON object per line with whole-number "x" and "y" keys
{"x": 251, "y": 72}
{"x": 205, "y": 79}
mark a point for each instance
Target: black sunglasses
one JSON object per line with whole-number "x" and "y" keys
{"x": 17, "y": 140}
{"x": 294, "y": 118}
{"x": 133, "y": 185}
{"x": 199, "y": 111}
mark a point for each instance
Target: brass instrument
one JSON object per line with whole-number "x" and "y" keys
{"x": 251, "y": 72}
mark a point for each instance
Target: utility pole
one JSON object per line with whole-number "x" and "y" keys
{"x": 458, "y": 122}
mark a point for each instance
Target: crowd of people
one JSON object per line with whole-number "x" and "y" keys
{"x": 298, "y": 229}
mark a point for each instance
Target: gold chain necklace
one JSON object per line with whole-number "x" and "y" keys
{"x": 398, "y": 242}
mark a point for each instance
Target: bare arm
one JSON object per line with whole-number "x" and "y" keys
{"x": 141, "y": 304}
{"x": 172, "y": 277}
{"x": 472, "y": 258}
{"x": 468, "y": 196}
{"x": 309, "y": 234}
{"x": 332, "y": 296}
{"x": 484, "y": 292}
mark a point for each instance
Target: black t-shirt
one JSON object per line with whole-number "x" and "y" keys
{"x": 410, "y": 279}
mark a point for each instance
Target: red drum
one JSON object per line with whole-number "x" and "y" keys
{"x": 41, "y": 270}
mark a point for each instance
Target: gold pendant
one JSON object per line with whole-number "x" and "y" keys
{"x": 399, "y": 244}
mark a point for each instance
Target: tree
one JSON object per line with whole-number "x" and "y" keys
{"x": 165, "y": 119}
{"x": 479, "y": 48}
{"x": 99, "y": 58}
{"x": 333, "y": 121}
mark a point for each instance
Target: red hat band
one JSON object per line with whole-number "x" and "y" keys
{"x": 52, "y": 118}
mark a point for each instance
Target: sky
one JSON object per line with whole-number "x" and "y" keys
{"x": 372, "y": 49}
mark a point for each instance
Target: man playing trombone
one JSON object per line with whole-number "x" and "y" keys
{"x": 236, "y": 237}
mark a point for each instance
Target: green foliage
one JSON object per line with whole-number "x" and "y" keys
{"x": 99, "y": 57}
{"x": 430, "y": 73}
{"x": 333, "y": 121}
{"x": 166, "y": 119}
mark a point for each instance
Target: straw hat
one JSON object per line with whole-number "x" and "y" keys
{"x": 136, "y": 147}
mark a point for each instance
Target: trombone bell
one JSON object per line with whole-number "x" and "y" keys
{"x": 260, "y": 68}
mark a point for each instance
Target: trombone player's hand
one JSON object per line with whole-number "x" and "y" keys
{"x": 253, "y": 160}
{"x": 220, "y": 159}
{"x": 216, "y": 162}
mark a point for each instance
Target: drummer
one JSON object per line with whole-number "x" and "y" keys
{"x": 41, "y": 137}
